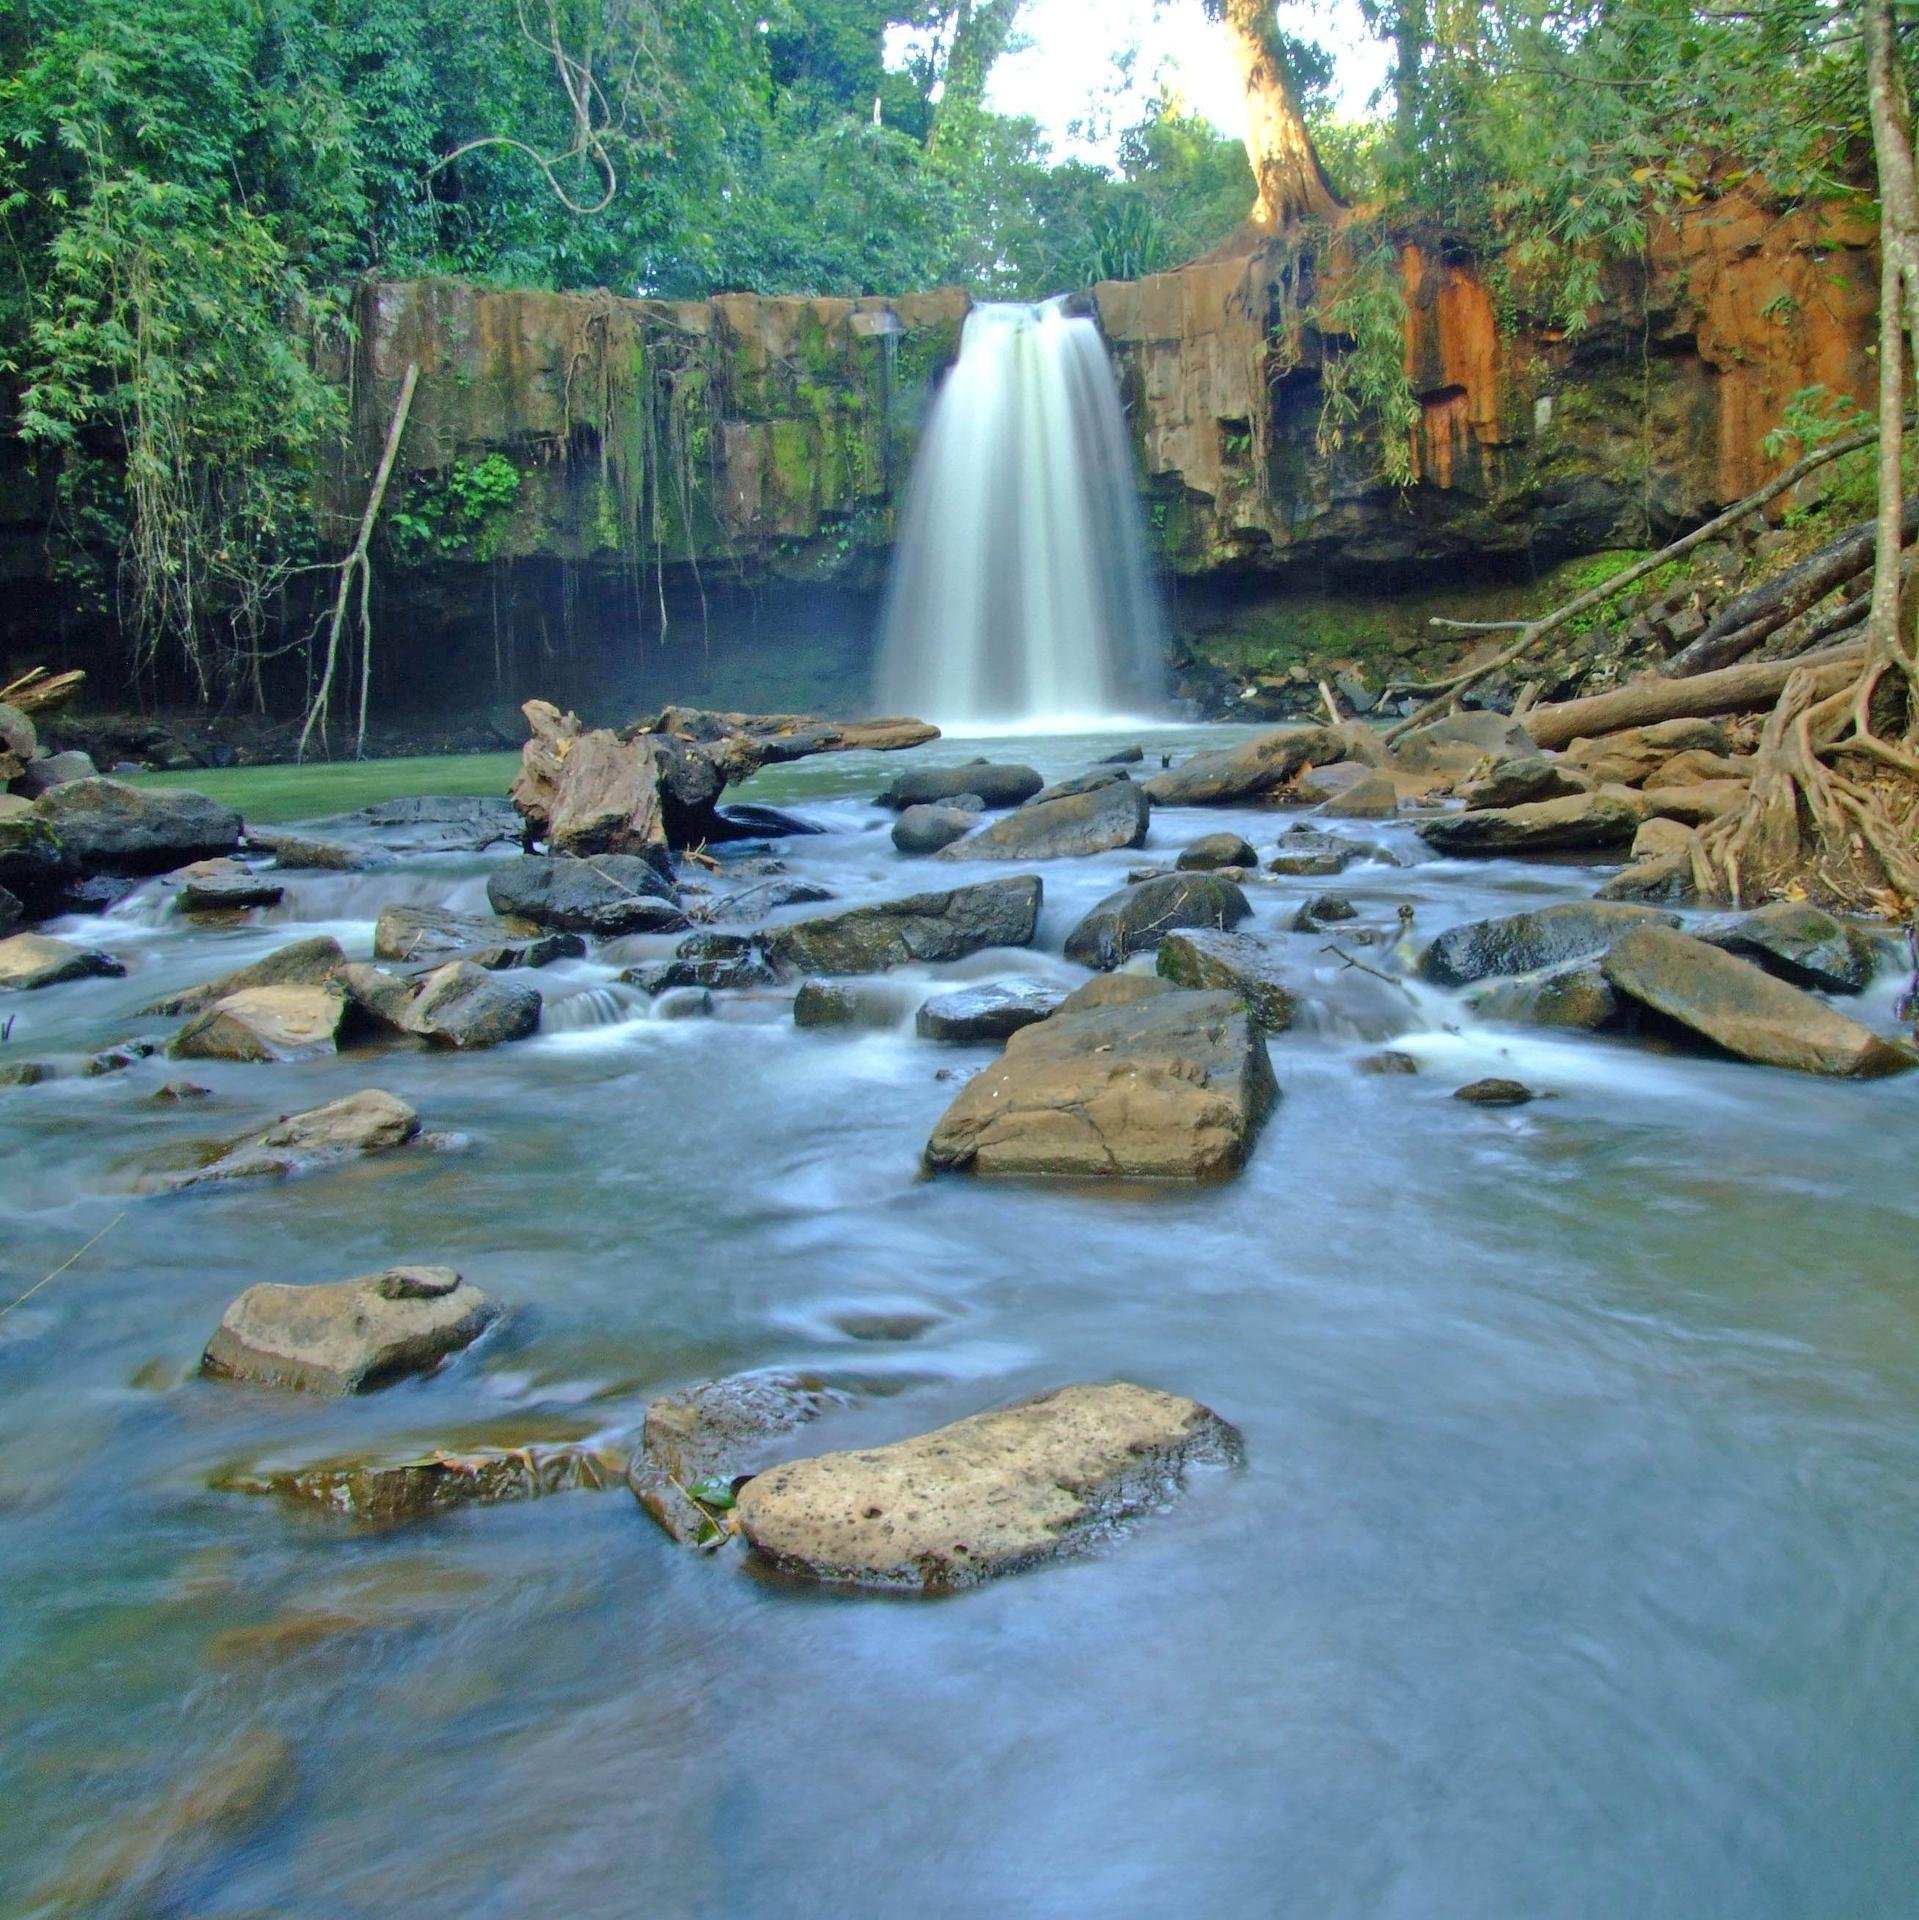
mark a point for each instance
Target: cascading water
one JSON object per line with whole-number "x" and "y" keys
{"x": 1020, "y": 595}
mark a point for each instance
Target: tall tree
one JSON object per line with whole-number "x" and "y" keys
{"x": 981, "y": 29}
{"x": 1291, "y": 184}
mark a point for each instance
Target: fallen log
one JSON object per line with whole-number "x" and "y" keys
{"x": 1740, "y": 689}
{"x": 37, "y": 690}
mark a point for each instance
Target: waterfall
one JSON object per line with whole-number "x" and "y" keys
{"x": 1020, "y": 595}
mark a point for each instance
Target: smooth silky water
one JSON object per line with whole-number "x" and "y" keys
{"x": 1570, "y": 1571}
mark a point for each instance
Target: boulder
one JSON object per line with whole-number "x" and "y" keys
{"x": 361, "y": 1123}
{"x": 1526, "y": 942}
{"x": 301, "y": 963}
{"x": 766, "y": 896}
{"x": 465, "y": 1007}
{"x": 1664, "y": 878}
{"x": 846, "y": 1003}
{"x": 1088, "y": 782}
{"x": 1633, "y": 755}
{"x": 376, "y": 997}
{"x": 1095, "y": 819}
{"x": 265, "y": 1024}
{"x": 428, "y": 936}
{"x": 1744, "y": 1010}
{"x": 437, "y": 823}
{"x": 1577, "y": 996}
{"x": 987, "y": 1013}
{"x": 1387, "y": 1063}
{"x": 695, "y": 1446}
{"x": 348, "y": 1336}
{"x": 32, "y": 960}
{"x": 604, "y": 894}
{"x": 1247, "y": 771}
{"x": 1697, "y": 767}
{"x": 1136, "y": 918}
{"x": 989, "y": 1495}
{"x": 997, "y": 786}
{"x": 1212, "y": 851}
{"x": 1241, "y": 964}
{"x": 1307, "y": 853}
{"x": 1321, "y": 911}
{"x": 1799, "y": 943}
{"x": 108, "y": 826}
{"x": 1129, "y": 756}
{"x": 935, "y": 824}
{"x": 1114, "y": 990}
{"x": 1696, "y": 806}
{"x": 1607, "y": 817}
{"x": 1374, "y": 798}
{"x": 1495, "y": 1092}
{"x": 19, "y": 740}
{"x": 1174, "y": 1086}
{"x": 923, "y": 926}
{"x": 218, "y": 886}
{"x": 55, "y": 770}
{"x": 1517, "y": 783}
{"x": 1659, "y": 836}
{"x": 704, "y": 960}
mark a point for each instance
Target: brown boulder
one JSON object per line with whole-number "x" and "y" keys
{"x": 264, "y": 1024}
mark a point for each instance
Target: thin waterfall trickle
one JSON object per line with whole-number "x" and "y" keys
{"x": 1020, "y": 595}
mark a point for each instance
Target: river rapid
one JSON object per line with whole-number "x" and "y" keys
{"x": 1569, "y": 1572}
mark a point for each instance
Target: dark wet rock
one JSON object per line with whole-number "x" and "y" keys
{"x": 117, "y": 1059}
{"x": 1518, "y": 783}
{"x": 695, "y": 1446}
{"x": 176, "y": 1091}
{"x": 1607, "y": 817}
{"x": 1211, "y": 851}
{"x": 1311, "y": 854}
{"x": 1241, "y": 964}
{"x": 1129, "y": 756}
{"x": 465, "y": 1007}
{"x": 301, "y": 963}
{"x": 106, "y": 825}
{"x": 1136, "y": 918}
{"x": 685, "y": 1003}
{"x": 1800, "y": 944}
{"x": 263, "y": 1024}
{"x": 997, "y": 786}
{"x": 347, "y": 1336}
{"x": 436, "y": 823}
{"x": 361, "y": 1123}
{"x": 605, "y": 894}
{"x": 1744, "y": 1010}
{"x": 931, "y": 825}
{"x": 55, "y": 770}
{"x": 1047, "y": 1477}
{"x": 1247, "y": 771}
{"x": 1389, "y": 1060}
{"x": 1316, "y": 914}
{"x": 1373, "y": 798}
{"x": 879, "y": 1324}
{"x": 1527, "y": 942}
{"x": 12, "y": 913}
{"x": 1460, "y": 741}
{"x": 1577, "y": 995}
{"x": 302, "y": 853}
{"x": 1174, "y": 1086}
{"x": 32, "y": 960}
{"x": 224, "y": 886}
{"x": 24, "y": 1073}
{"x": 1495, "y": 1092}
{"x": 1094, "y": 819}
{"x": 704, "y": 960}
{"x": 849, "y": 1003}
{"x": 426, "y": 936}
{"x": 750, "y": 819}
{"x": 32, "y": 860}
{"x": 924, "y": 926}
{"x": 376, "y": 998}
{"x": 987, "y": 1013}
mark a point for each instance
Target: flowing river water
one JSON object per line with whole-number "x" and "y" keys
{"x": 1569, "y": 1572}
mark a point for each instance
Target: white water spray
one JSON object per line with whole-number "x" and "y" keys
{"x": 1020, "y": 597}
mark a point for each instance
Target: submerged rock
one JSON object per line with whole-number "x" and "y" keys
{"x": 988, "y": 1495}
{"x": 1495, "y": 1092}
{"x": 301, "y": 963}
{"x": 1137, "y": 918}
{"x": 987, "y": 1013}
{"x": 1799, "y": 944}
{"x": 1577, "y": 996}
{"x": 265, "y": 1024}
{"x": 1173, "y": 1086}
{"x": 464, "y": 1007}
{"x": 1211, "y": 851}
{"x": 1241, "y": 964}
{"x": 1245, "y": 772}
{"x": 924, "y": 926}
{"x": 427, "y": 936}
{"x": 108, "y": 826}
{"x": 1607, "y": 817}
{"x": 1741, "y": 1008}
{"x": 25, "y": 1073}
{"x": 695, "y": 1446}
{"x": 303, "y": 853}
{"x": 605, "y": 894}
{"x": 931, "y": 825}
{"x": 997, "y": 786}
{"x": 347, "y": 1336}
{"x": 30, "y": 960}
{"x": 1094, "y": 819}
{"x": 1308, "y": 853}
{"x": 118, "y": 1058}
{"x": 846, "y": 1003}
{"x": 704, "y": 960}
{"x": 360, "y": 1123}
{"x": 1527, "y": 942}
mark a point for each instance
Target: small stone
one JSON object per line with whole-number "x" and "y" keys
{"x": 1214, "y": 850}
{"x": 1321, "y": 911}
{"x": 928, "y": 827}
{"x": 1388, "y": 1060}
{"x": 1495, "y": 1092}
{"x": 847, "y": 1003}
{"x": 175, "y": 1091}
{"x": 119, "y": 1059}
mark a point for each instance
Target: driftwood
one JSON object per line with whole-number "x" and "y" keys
{"x": 1741, "y": 689}
{"x": 37, "y": 690}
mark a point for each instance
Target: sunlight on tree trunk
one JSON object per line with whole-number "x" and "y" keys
{"x": 1292, "y": 186}
{"x": 980, "y": 33}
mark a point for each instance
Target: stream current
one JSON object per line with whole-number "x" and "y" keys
{"x": 1570, "y": 1571}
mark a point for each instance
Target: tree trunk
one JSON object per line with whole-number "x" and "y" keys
{"x": 1292, "y": 186}
{"x": 980, "y": 33}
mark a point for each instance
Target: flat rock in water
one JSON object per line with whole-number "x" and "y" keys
{"x": 1800, "y": 944}
{"x": 265, "y": 1024}
{"x": 369, "y": 1122}
{"x": 1173, "y": 1086}
{"x": 224, "y": 886}
{"x": 604, "y": 894}
{"x": 465, "y": 1007}
{"x": 25, "y": 1073}
{"x": 1308, "y": 853}
{"x": 426, "y": 936}
{"x": 695, "y": 1445}
{"x": 301, "y": 963}
{"x": 1608, "y": 817}
{"x": 1246, "y": 771}
{"x": 33, "y": 960}
{"x": 933, "y": 824}
{"x": 303, "y": 853}
{"x": 1088, "y": 782}
{"x": 1137, "y": 918}
{"x": 437, "y": 823}
{"x": 108, "y": 826}
{"x": 987, "y": 1013}
{"x": 989, "y": 1495}
{"x": 997, "y": 786}
{"x": 1241, "y": 964}
{"x": 348, "y": 1336}
{"x": 1527, "y": 942}
{"x": 1211, "y": 851}
{"x": 1129, "y": 756}
{"x": 1744, "y": 1010}
{"x": 1495, "y": 1092}
{"x": 1577, "y": 996}
{"x": 1093, "y": 819}
{"x": 924, "y": 926}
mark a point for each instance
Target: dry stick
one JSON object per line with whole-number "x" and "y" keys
{"x": 1331, "y": 705}
{"x": 1536, "y": 630}
{"x": 356, "y": 563}
{"x": 62, "y": 1267}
